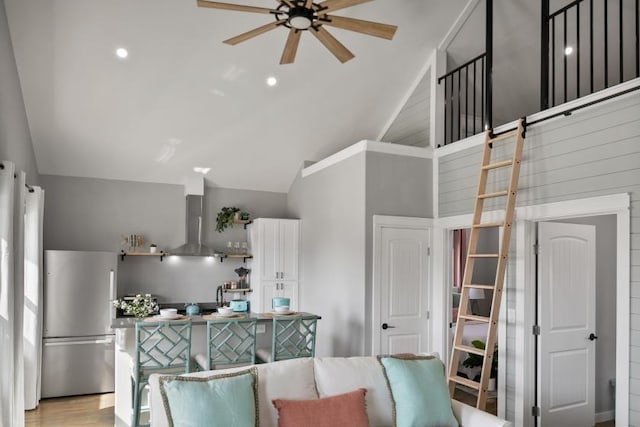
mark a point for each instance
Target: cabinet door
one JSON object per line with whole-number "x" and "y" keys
{"x": 289, "y": 241}
{"x": 269, "y": 248}
{"x": 290, "y": 290}
{"x": 269, "y": 291}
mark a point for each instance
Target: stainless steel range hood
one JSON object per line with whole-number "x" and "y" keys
{"x": 193, "y": 228}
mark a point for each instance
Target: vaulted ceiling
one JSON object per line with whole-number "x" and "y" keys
{"x": 183, "y": 99}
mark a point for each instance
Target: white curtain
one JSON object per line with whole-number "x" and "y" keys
{"x": 33, "y": 315}
{"x": 7, "y": 361}
{"x": 19, "y": 192}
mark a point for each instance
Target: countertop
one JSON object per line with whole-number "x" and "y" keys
{"x": 130, "y": 322}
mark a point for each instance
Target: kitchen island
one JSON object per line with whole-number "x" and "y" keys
{"x": 125, "y": 354}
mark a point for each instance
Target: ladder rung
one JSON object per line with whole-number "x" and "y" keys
{"x": 465, "y": 381}
{"x": 470, "y": 349}
{"x": 474, "y": 317}
{"x": 484, "y": 255}
{"x": 472, "y": 285}
{"x": 504, "y": 136}
{"x": 489, "y": 225}
{"x": 490, "y": 195}
{"x": 497, "y": 165}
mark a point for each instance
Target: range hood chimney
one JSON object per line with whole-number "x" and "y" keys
{"x": 193, "y": 227}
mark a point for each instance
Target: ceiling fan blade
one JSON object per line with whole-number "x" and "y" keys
{"x": 308, "y": 4}
{"x": 255, "y": 32}
{"x": 291, "y": 48}
{"x": 342, "y": 53}
{"x": 375, "y": 29}
{"x": 333, "y": 5}
{"x": 237, "y": 7}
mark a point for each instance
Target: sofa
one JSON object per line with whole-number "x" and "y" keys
{"x": 313, "y": 378}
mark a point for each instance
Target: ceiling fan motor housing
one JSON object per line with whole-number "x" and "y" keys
{"x": 301, "y": 18}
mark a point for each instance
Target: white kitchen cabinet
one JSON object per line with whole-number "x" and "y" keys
{"x": 275, "y": 249}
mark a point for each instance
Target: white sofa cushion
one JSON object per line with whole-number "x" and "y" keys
{"x": 337, "y": 375}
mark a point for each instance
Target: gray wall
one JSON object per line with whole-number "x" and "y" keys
{"x": 594, "y": 152}
{"x": 15, "y": 139}
{"x": 336, "y": 206}
{"x": 92, "y": 214}
{"x": 331, "y": 205}
{"x": 605, "y": 306}
{"x": 395, "y": 185}
{"x": 411, "y": 126}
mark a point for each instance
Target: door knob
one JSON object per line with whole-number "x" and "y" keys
{"x": 386, "y": 326}
{"x": 592, "y": 336}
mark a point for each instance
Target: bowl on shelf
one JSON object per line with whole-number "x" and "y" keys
{"x": 281, "y": 309}
{"x": 225, "y": 311}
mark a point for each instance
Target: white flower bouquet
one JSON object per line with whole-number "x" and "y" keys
{"x": 139, "y": 306}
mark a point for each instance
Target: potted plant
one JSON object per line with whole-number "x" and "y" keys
{"x": 153, "y": 248}
{"x": 474, "y": 360}
{"x": 139, "y": 306}
{"x": 225, "y": 218}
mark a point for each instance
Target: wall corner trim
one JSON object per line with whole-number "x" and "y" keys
{"x": 371, "y": 146}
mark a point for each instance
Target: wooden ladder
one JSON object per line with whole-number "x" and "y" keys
{"x": 464, "y": 313}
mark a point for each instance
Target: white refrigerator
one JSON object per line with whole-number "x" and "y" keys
{"x": 78, "y": 348}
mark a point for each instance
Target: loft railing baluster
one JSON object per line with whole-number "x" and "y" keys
{"x": 578, "y": 50}
{"x": 474, "y": 97}
{"x": 452, "y": 110}
{"x": 564, "y": 57}
{"x": 637, "y": 39}
{"x": 482, "y": 93}
{"x": 553, "y": 61}
{"x": 621, "y": 44}
{"x": 466, "y": 101}
{"x": 606, "y": 45}
{"x": 459, "y": 121}
{"x": 444, "y": 142}
{"x": 591, "y": 44}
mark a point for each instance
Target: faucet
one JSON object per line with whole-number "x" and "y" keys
{"x": 219, "y": 293}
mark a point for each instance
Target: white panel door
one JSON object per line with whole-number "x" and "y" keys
{"x": 289, "y": 241}
{"x": 403, "y": 290}
{"x": 567, "y": 317}
{"x": 269, "y": 249}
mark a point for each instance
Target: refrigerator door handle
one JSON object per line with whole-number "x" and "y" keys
{"x": 65, "y": 343}
{"x": 112, "y": 292}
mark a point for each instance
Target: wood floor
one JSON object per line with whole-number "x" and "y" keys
{"x": 93, "y": 410}
{"x": 97, "y": 410}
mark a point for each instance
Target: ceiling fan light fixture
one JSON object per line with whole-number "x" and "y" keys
{"x": 300, "y": 18}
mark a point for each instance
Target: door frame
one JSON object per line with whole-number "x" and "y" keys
{"x": 385, "y": 221}
{"x": 527, "y": 217}
{"x": 442, "y": 299}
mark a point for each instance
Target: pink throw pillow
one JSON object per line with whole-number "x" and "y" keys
{"x": 343, "y": 410}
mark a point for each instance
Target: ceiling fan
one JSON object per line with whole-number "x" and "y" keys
{"x": 306, "y": 15}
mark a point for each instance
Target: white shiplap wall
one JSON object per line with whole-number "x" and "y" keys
{"x": 411, "y": 125}
{"x": 594, "y": 152}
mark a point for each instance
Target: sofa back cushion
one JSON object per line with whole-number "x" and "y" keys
{"x": 288, "y": 379}
{"x": 337, "y": 375}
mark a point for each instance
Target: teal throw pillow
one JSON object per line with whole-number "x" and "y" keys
{"x": 226, "y": 400}
{"x": 419, "y": 390}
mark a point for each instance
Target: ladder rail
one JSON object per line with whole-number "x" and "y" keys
{"x": 469, "y": 263}
{"x": 502, "y": 257}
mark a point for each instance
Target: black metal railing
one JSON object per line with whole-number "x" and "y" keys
{"x": 468, "y": 90}
{"x": 587, "y": 46}
{"x": 464, "y": 100}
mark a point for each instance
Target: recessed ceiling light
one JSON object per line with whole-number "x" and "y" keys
{"x": 201, "y": 170}
{"x": 122, "y": 52}
{"x": 272, "y": 81}
{"x": 568, "y": 50}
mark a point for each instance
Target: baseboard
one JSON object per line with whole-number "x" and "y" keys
{"x": 605, "y": 416}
